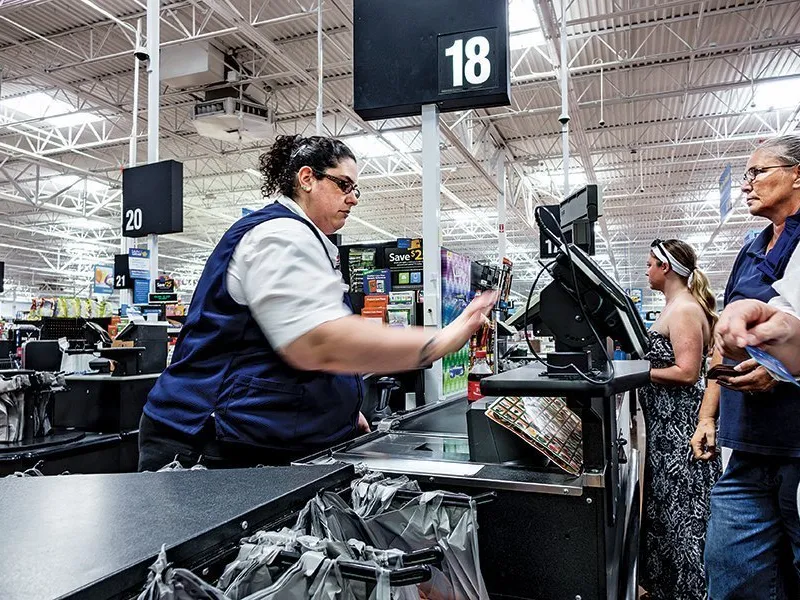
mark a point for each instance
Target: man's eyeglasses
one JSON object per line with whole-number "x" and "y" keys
{"x": 345, "y": 185}
{"x": 753, "y": 172}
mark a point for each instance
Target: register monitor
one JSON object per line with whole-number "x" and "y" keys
{"x": 608, "y": 307}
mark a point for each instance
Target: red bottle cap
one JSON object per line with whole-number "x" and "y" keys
{"x": 480, "y": 354}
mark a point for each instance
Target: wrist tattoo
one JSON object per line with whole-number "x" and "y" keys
{"x": 426, "y": 352}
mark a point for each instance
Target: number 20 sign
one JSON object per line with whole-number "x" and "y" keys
{"x": 468, "y": 60}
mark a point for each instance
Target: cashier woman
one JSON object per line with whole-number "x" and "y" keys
{"x": 266, "y": 366}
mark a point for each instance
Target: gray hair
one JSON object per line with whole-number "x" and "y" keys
{"x": 784, "y": 147}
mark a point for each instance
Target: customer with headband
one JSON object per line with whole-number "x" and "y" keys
{"x": 676, "y": 489}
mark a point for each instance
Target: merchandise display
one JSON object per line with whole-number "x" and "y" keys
{"x": 361, "y": 260}
{"x": 546, "y": 424}
{"x": 65, "y": 307}
{"x": 456, "y": 294}
{"x": 480, "y": 369}
{"x": 377, "y": 281}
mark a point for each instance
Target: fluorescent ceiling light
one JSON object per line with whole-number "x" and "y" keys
{"x": 776, "y": 94}
{"x": 526, "y": 39}
{"x": 254, "y": 172}
{"x": 555, "y": 181}
{"x": 523, "y": 25}
{"x": 39, "y": 105}
{"x": 82, "y": 248}
{"x": 76, "y": 184}
{"x": 367, "y": 146}
{"x": 399, "y": 141}
{"x": 84, "y": 223}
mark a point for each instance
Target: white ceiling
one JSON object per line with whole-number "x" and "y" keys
{"x": 688, "y": 86}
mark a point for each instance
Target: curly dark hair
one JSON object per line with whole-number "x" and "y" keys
{"x": 279, "y": 165}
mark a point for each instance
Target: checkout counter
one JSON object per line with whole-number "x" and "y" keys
{"x": 545, "y": 535}
{"x": 95, "y": 416}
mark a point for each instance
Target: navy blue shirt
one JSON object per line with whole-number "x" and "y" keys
{"x": 767, "y": 422}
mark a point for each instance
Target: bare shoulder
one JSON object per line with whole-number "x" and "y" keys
{"x": 688, "y": 308}
{"x": 685, "y": 312}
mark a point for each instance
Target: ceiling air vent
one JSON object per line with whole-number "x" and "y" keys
{"x": 233, "y": 120}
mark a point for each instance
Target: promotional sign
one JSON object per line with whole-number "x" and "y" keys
{"x": 165, "y": 284}
{"x": 636, "y": 296}
{"x": 359, "y": 261}
{"x": 404, "y": 259}
{"x": 378, "y": 281}
{"x": 725, "y": 203}
{"x": 456, "y": 292}
{"x": 141, "y": 289}
{"x": 139, "y": 263}
{"x": 103, "y": 279}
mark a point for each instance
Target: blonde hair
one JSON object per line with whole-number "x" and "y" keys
{"x": 699, "y": 285}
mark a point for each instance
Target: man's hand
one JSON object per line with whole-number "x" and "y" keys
{"x": 363, "y": 425}
{"x": 704, "y": 440}
{"x": 751, "y": 323}
{"x": 754, "y": 378}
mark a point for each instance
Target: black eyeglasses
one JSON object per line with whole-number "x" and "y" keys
{"x": 345, "y": 185}
{"x": 750, "y": 175}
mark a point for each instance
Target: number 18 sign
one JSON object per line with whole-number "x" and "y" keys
{"x": 467, "y": 61}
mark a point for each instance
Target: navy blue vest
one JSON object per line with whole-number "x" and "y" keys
{"x": 223, "y": 364}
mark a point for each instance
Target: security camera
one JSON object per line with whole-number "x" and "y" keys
{"x": 140, "y": 54}
{"x": 601, "y": 122}
{"x": 563, "y": 119}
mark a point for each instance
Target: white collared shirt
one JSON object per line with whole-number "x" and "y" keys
{"x": 788, "y": 286}
{"x": 281, "y": 272}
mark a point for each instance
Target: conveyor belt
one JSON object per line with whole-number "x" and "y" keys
{"x": 449, "y": 417}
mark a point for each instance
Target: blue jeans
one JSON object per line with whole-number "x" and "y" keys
{"x": 753, "y": 540}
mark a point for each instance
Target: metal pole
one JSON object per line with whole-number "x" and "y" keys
{"x": 564, "y": 118}
{"x": 319, "y": 67}
{"x": 125, "y": 295}
{"x": 500, "y": 173}
{"x": 501, "y": 209}
{"x": 153, "y": 92}
{"x": 431, "y": 243}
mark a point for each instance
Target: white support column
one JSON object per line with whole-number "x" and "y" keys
{"x": 431, "y": 242}
{"x": 153, "y": 93}
{"x": 125, "y": 296}
{"x": 564, "y": 118}
{"x": 500, "y": 173}
{"x": 319, "y": 67}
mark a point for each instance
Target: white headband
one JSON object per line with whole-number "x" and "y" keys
{"x": 662, "y": 254}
